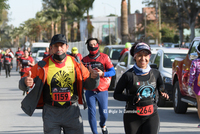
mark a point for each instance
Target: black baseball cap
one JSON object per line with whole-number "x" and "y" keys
{"x": 58, "y": 38}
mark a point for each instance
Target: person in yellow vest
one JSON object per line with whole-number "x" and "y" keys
{"x": 58, "y": 88}
{"x": 76, "y": 54}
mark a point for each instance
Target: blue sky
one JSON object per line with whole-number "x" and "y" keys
{"x": 22, "y": 10}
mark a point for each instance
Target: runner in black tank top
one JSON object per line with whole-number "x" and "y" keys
{"x": 140, "y": 82}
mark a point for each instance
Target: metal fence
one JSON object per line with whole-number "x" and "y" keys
{"x": 82, "y": 48}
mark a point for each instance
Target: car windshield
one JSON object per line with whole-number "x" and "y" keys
{"x": 152, "y": 56}
{"x": 41, "y": 54}
{"x": 168, "y": 44}
{"x": 35, "y": 49}
{"x": 169, "y": 59}
{"x": 115, "y": 53}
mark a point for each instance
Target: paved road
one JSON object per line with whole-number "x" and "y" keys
{"x": 14, "y": 121}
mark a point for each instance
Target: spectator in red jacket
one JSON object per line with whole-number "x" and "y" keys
{"x": 127, "y": 48}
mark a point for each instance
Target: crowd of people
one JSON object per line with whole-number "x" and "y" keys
{"x": 60, "y": 82}
{"x": 24, "y": 61}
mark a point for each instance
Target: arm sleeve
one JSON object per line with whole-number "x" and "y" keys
{"x": 121, "y": 85}
{"x": 192, "y": 74}
{"x": 110, "y": 72}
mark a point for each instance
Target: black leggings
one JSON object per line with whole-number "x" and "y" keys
{"x": 134, "y": 124}
{"x": 7, "y": 69}
{"x": 0, "y": 66}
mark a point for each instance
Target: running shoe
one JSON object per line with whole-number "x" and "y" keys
{"x": 104, "y": 130}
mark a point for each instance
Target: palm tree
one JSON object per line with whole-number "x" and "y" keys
{"x": 124, "y": 22}
{"x": 88, "y": 5}
{"x": 84, "y": 6}
{"x": 50, "y": 17}
{"x": 66, "y": 7}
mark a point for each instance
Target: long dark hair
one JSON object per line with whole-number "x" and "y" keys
{"x": 132, "y": 48}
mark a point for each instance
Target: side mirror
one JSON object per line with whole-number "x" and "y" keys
{"x": 122, "y": 63}
{"x": 154, "y": 66}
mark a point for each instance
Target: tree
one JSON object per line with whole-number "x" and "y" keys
{"x": 152, "y": 30}
{"x": 192, "y": 10}
{"x": 65, "y": 8}
{"x": 168, "y": 33}
{"x": 184, "y": 11}
{"x": 88, "y": 4}
{"x": 3, "y": 5}
{"x": 124, "y": 22}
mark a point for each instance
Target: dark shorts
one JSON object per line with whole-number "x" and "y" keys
{"x": 69, "y": 119}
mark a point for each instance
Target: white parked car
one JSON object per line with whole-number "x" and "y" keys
{"x": 164, "y": 59}
{"x": 126, "y": 62}
{"x": 39, "y": 55}
{"x": 113, "y": 51}
{"x": 38, "y": 46}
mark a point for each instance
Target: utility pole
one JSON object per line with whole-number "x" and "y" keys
{"x": 157, "y": 18}
{"x": 110, "y": 43}
{"x": 159, "y": 21}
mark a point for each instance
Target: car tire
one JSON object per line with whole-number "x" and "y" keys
{"x": 160, "y": 101}
{"x": 180, "y": 107}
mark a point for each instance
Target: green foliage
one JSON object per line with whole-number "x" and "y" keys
{"x": 111, "y": 15}
{"x": 176, "y": 38}
{"x": 187, "y": 38}
{"x": 168, "y": 33}
{"x": 152, "y": 30}
{"x": 3, "y": 5}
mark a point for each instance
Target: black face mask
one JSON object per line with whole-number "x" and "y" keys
{"x": 59, "y": 57}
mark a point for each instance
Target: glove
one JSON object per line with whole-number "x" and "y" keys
{"x": 190, "y": 91}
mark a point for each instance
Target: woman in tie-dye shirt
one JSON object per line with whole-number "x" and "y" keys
{"x": 194, "y": 73}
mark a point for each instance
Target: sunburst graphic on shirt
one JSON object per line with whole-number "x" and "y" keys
{"x": 62, "y": 78}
